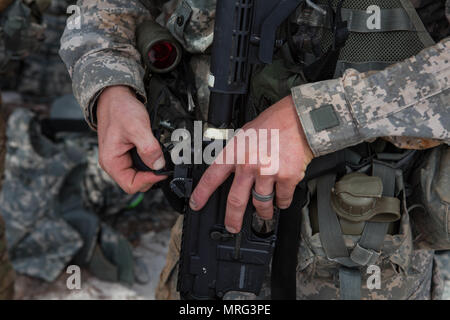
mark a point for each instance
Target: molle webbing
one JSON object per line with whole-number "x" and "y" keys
{"x": 400, "y": 36}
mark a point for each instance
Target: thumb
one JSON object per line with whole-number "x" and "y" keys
{"x": 150, "y": 151}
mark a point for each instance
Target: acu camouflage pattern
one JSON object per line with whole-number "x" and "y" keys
{"x": 6, "y": 269}
{"x": 43, "y": 75}
{"x": 408, "y": 99}
{"x": 28, "y": 35}
{"x": 443, "y": 261}
{"x": 45, "y": 181}
{"x": 102, "y": 53}
{"x": 431, "y": 221}
{"x": 122, "y": 66}
{"x": 108, "y": 34}
{"x": 40, "y": 242}
{"x": 406, "y": 271}
{"x": 100, "y": 193}
{"x": 17, "y": 23}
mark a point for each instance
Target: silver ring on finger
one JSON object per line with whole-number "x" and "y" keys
{"x": 262, "y": 198}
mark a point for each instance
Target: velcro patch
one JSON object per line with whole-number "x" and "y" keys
{"x": 324, "y": 118}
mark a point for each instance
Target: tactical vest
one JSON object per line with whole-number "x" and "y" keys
{"x": 350, "y": 213}
{"x": 380, "y": 33}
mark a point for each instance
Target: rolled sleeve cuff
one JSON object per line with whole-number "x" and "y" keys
{"x": 325, "y": 116}
{"x": 93, "y": 74}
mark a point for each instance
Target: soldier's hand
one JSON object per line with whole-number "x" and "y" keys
{"x": 123, "y": 123}
{"x": 294, "y": 154}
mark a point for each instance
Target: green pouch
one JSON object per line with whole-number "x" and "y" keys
{"x": 358, "y": 197}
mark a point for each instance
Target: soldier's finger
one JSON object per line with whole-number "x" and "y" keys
{"x": 131, "y": 181}
{"x": 284, "y": 194}
{"x": 213, "y": 177}
{"x": 148, "y": 148}
{"x": 237, "y": 201}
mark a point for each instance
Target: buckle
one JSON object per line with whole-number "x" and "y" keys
{"x": 363, "y": 256}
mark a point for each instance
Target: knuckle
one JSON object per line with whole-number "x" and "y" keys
{"x": 197, "y": 193}
{"x": 286, "y": 178}
{"x": 259, "y": 205}
{"x": 235, "y": 201}
{"x": 284, "y": 198}
{"x": 266, "y": 215}
{"x": 249, "y": 168}
{"x": 234, "y": 221}
{"x": 283, "y": 206}
{"x": 128, "y": 189}
{"x": 150, "y": 149}
{"x": 104, "y": 162}
{"x": 284, "y": 203}
{"x": 101, "y": 162}
{"x": 208, "y": 179}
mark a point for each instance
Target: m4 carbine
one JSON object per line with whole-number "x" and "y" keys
{"x": 213, "y": 261}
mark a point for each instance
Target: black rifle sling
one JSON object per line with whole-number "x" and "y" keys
{"x": 284, "y": 263}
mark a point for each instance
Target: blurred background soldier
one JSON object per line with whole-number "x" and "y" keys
{"x": 69, "y": 198}
{"x": 21, "y": 32}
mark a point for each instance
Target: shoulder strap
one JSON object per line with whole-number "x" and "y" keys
{"x": 422, "y": 32}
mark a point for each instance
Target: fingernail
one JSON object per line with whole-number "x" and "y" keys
{"x": 230, "y": 229}
{"x": 192, "y": 204}
{"x": 159, "y": 164}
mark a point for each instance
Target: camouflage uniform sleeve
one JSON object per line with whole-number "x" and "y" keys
{"x": 408, "y": 99}
{"x": 101, "y": 52}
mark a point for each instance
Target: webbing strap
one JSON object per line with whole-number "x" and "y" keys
{"x": 350, "y": 283}
{"x": 387, "y": 175}
{"x": 422, "y": 32}
{"x": 368, "y": 248}
{"x": 393, "y": 19}
{"x": 366, "y": 251}
{"x": 329, "y": 226}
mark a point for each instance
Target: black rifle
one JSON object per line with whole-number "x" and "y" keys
{"x": 213, "y": 261}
